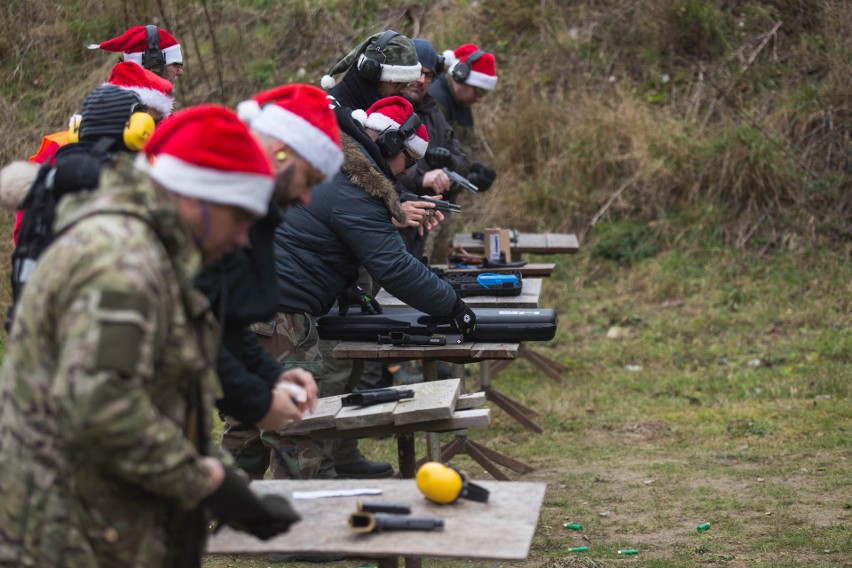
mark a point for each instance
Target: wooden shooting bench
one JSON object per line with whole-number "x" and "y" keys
{"x": 528, "y": 243}
{"x": 501, "y": 529}
{"x": 529, "y": 270}
{"x": 437, "y": 406}
{"x": 430, "y": 355}
{"x": 529, "y": 298}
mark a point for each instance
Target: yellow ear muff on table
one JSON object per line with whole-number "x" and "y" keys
{"x": 445, "y": 484}
{"x": 140, "y": 126}
{"x": 438, "y": 482}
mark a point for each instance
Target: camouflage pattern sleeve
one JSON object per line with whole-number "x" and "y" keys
{"x": 115, "y": 313}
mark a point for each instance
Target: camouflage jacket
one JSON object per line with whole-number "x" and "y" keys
{"x": 107, "y": 378}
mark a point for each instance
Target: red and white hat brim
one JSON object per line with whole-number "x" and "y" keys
{"x": 380, "y": 122}
{"x": 304, "y": 138}
{"x": 249, "y": 191}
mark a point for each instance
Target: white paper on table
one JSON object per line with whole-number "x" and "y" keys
{"x": 335, "y": 493}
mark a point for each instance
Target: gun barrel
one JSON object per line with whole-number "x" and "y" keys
{"x": 369, "y": 398}
{"x": 440, "y": 205}
{"x": 459, "y": 179}
{"x": 375, "y": 522}
{"x": 393, "y": 508}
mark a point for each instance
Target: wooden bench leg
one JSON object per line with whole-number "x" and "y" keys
{"x": 544, "y": 364}
{"x": 514, "y": 409}
{"x": 406, "y": 455}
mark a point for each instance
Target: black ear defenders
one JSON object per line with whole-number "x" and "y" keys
{"x": 392, "y": 142}
{"x": 440, "y": 65}
{"x": 140, "y": 126}
{"x": 153, "y": 59}
{"x": 370, "y": 69}
{"x": 462, "y": 69}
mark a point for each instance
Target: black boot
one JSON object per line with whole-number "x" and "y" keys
{"x": 362, "y": 468}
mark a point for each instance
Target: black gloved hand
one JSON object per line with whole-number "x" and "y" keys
{"x": 481, "y": 176}
{"x": 463, "y": 317}
{"x": 437, "y": 158}
{"x": 357, "y": 296}
{"x": 263, "y": 516}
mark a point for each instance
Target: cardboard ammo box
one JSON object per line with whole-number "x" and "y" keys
{"x": 496, "y": 241}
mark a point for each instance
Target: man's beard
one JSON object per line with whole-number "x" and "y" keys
{"x": 283, "y": 182}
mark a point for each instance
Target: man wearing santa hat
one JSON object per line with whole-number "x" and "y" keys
{"x": 471, "y": 74}
{"x": 109, "y": 378}
{"x": 299, "y": 134}
{"x": 151, "y": 47}
{"x": 351, "y": 221}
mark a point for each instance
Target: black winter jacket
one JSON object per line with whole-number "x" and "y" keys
{"x": 319, "y": 248}
{"x": 242, "y": 290}
{"x": 459, "y": 117}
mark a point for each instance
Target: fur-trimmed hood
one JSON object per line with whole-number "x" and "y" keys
{"x": 362, "y": 172}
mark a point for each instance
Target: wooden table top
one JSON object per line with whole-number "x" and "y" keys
{"x": 466, "y": 353}
{"x": 528, "y": 298}
{"x": 501, "y": 529}
{"x": 532, "y": 243}
{"x": 433, "y": 402}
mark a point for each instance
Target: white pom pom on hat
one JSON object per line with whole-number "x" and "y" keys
{"x": 248, "y": 110}
{"x": 360, "y": 116}
{"x": 327, "y": 82}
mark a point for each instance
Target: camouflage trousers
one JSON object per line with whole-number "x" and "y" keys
{"x": 440, "y": 240}
{"x": 292, "y": 339}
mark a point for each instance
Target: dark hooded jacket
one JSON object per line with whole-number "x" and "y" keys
{"x": 242, "y": 290}
{"x": 348, "y": 224}
{"x": 441, "y": 135}
{"x": 459, "y": 117}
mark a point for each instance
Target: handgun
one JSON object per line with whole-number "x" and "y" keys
{"x": 459, "y": 179}
{"x": 375, "y": 522}
{"x": 369, "y": 397}
{"x": 440, "y": 205}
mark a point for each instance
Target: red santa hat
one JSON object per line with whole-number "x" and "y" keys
{"x": 300, "y": 116}
{"x": 391, "y": 113}
{"x": 154, "y": 91}
{"x": 483, "y": 71}
{"x": 134, "y": 42}
{"x": 207, "y": 152}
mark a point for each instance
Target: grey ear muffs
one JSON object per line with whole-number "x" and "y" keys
{"x": 153, "y": 58}
{"x": 392, "y": 142}
{"x": 370, "y": 69}
{"x": 462, "y": 69}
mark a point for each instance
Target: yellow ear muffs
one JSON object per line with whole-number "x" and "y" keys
{"x": 140, "y": 126}
{"x": 74, "y": 128}
{"x": 438, "y": 482}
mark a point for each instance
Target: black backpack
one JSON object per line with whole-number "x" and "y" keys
{"x": 74, "y": 168}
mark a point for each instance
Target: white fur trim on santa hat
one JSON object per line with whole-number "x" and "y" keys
{"x": 397, "y": 73}
{"x": 172, "y": 55}
{"x": 245, "y": 190}
{"x": 307, "y": 140}
{"x": 327, "y": 82}
{"x": 154, "y": 99}
{"x": 380, "y": 122}
{"x": 481, "y": 80}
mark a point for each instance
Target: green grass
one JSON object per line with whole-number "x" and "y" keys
{"x": 740, "y": 415}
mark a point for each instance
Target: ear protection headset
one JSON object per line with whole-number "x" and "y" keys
{"x": 140, "y": 126}
{"x": 440, "y": 65}
{"x": 462, "y": 70}
{"x": 370, "y": 68}
{"x": 153, "y": 59}
{"x": 392, "y": 142}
